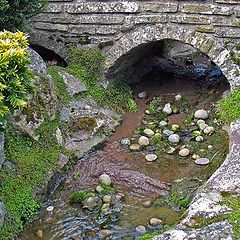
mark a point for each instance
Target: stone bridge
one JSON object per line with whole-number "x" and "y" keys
{"x": 120, "y": 27}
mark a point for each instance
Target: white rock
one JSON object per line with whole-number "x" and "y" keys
{"x": 210, "y": 147}
{"x": 184, "y": 152}
{"x": 200, "y": 121}
{"x": 202, "y": 126}
{"x": 105, "y": 179}
{"x": 167, "y": 109}
{"x": 147, "y": 204}
{"x": 202, "y": 161}
{"x": 148, "y": 132}
{"x": 50, "y": 208}
{"x": 201, "y": 114}
{"x": 174, "y": 138}
{"x": 147, "y": 112}
{"x": 134, "y": 147}
{"x": 125, "y": 142}
{"x": 151, "y": 157}
{"x": 142, "y": 95}
{"x": 163, "y": 124}
{"x": 170, "y": 150}
{"x": 107, "y": 199}
{"x": 178, "y": 97}
{"x": 141, "y": 229}
{"x": 155, "y": 221}
{"x": 199, "y": 139}
{"x": 209, "y": 130}
{"x": 143, "y": 141}
{"x": 99, "y": 189}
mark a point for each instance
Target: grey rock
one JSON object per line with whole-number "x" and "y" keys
{"x": 202, "y": 161}
{"x": 2, "y": 213}
{"x": 2, "y": 140}
{"x": 151, "y": 157}
{"x": 105, "y": 179}
{"x": 162, "y": 124}
{"x": 142, "y": 95}
{"x": 174, "y": 138}
{"x": 143, "y": 141}
{"x": 141, "y": 229}
{"x": 201, "y": 114}
{"x": 148, "y": 132}
{"x": 125, "y": 142}
{"x": 209, "y": 130}
{"x": 74, "y": 85}
{"x": 168, "y": 132}
{"x": 9, "y": 165}
{"x": 37, "y": 63}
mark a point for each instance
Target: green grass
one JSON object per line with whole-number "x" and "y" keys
{"x": 33, "y": 162}
{"x": 229, "y": 108}
{"x": 79, "y": 197}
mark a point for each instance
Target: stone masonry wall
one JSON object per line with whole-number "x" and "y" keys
{"x": 119, "y": 26}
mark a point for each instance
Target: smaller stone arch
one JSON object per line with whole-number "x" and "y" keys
{"x": 207, "y": 44}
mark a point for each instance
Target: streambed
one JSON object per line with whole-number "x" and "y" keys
{"x": 139, "y": 181}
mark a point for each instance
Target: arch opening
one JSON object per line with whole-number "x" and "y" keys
{"x": 167, "y": 62}
{"x": 49, "y": 56}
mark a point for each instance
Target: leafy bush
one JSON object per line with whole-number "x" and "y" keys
{"x": 229, "y": 108}
{"x": 15, "y": 77}
{"x": 132, "y": 105}
{"x": 14, "y": 13}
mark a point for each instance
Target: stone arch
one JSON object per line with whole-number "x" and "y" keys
{"x": 206, "y": 43}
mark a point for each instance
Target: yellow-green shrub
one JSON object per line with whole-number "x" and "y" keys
{"x": 15, "y": 77}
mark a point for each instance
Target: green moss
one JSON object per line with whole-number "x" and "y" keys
{"x": 86, "y": 65}
{"x": 229, "y": 108}
{"x": 107, "y": 189}
{"x": 86, "y": 123}
{"x": 61, "y": 87}
{"x": 149, "y": 236}
{"x": 79, "y": 197}
{"x": 234, "y": 216}
{"x": 33, "y": 162}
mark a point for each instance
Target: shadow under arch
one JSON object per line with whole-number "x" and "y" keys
{"x": 206, "y": 43}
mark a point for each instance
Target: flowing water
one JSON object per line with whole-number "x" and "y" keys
{"x": 131, "y": 175}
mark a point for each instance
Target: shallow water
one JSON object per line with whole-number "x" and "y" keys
{"x": 138, "y": 180}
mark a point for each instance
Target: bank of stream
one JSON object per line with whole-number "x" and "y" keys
{"x": 160, "y": 189}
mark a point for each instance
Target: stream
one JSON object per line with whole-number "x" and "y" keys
{"x": 135, "y": 179}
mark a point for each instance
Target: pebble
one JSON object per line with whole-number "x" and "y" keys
{"x": 178, "y": 97}
{"x": 167, "y": 109}
{"x": 148, "y": 132}
{"x": 202, "y": 126}
{"x": 134, "y": 147}
{"x": 147, "y": 112}
{"x": 147, "y": 204}
{"x": 143, "y": 141}
{"x": 141, "y": 229}
{"x": 151, "y": 157}
{"x": 202, "y": 161}
{"x": 99, "y": 189}
{"x": 162, "y": 124}
{"x": 199, "y": 139}
{"x": 155, "y": 221}
{"x": 39, "y": 233}
{"x": 175, "y": 127}
{"x": 125, "y": 142}
{"x": 105, "y": 207}
{"x": 107, "y": 199}
{"x": 201, "y": 114}
{"x": 105, "y": 233}
{"x": 195, "y": 156}
{"x": 184, "y": 152}
{"x": 142, "y": 95}
{"x": 209, "y": 130}
{"x": 210, "y": 147}
{"x": 174, "y": 138}
{"x": 168, "y": 132}
{"x": 87, "y": 107}
{"x": 105, "y": 179}
{"x": 50, "y": 208}
{"x": 197, "y": 133}
{"x": 170, "y": 150}
{"x": 200, "y": 121}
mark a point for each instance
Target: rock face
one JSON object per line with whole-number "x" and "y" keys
{"x": 74, "y": 85}
{"x": 37, "y": 63}
{"x": 2, "y": 213}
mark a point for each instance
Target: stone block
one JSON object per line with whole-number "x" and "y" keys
{"x": 101, "y": 7}
{"x": 205, "y": 9}
{"x": 190, "y": 19}
{"x": 158, "y": 7}
{"x": 54, "y": 8}
{"x": 51, "y": 26}
{"x": 227, "y": 32}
